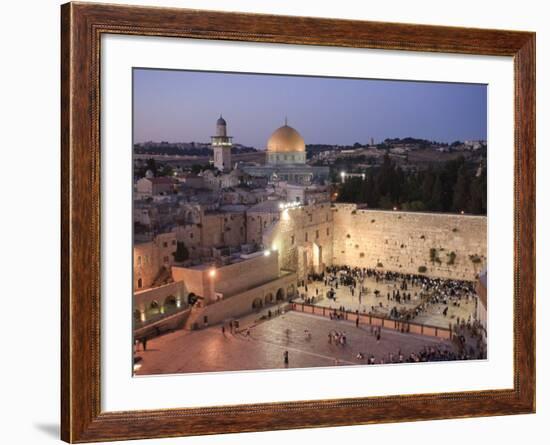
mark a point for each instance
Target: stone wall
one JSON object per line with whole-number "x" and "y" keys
{"x": 261, "y": 297}
{"x": 229, "y": 279}
{"x": 257, "y": 223}
{"x": 447, "y": 245}
{"x": 212, "y": 230}
{"x": 161, "y": 295}
{"x": 299, "y": 234}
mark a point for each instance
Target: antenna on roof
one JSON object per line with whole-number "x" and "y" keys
{"x": 286, "y": 121}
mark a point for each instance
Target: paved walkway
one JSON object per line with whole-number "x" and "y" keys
{"x": 210, "y": 350}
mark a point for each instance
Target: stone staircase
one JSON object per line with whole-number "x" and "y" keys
{"x": 163, "y": 277}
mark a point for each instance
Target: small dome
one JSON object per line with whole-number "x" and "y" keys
{"x": 285, "y": 139}
{"x": 221, "y": 121}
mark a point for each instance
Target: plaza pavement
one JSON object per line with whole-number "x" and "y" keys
{"x": 210, "y": 350}
{"x": 432, "y": 316}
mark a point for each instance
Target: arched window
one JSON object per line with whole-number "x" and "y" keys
{"x": 170, "y": 302}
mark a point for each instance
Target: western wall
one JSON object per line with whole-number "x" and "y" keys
{"x": 435, "y": 244}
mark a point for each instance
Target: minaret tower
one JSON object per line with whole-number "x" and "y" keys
{"x": 221, "y": 145}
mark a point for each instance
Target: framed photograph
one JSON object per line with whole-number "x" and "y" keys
{"x": 274, "y": 222}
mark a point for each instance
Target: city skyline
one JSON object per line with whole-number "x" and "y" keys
{"x": 182, "y": 106}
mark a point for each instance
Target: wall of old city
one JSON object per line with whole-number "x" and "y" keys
{"x": 262, "y": 296}
{"x": 229, "y": 279}
{"x": 447, "y": 245}
{"x": 297, "y": 235}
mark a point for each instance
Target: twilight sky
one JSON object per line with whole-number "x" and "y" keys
{"x": 183, "y": 106}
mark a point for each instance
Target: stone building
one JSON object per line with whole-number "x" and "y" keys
{"x": 153, "y": 259}
{"x": 202, "y": 230}
{"x": 301, "y": 234}
{"x": 286, "y": 160}
{"x": 216, "y": 180}
{"x": 148, "y": 187}
{"x": 260, "y": 218}
{"x": 221, "y": 146}
{"x": 303, "y": 194}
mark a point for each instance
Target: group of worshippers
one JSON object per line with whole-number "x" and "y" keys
{"x": 433, "y": 291}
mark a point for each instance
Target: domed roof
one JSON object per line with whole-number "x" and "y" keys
{"x": 286, "y": 139}
{"x": 221, "y": 121}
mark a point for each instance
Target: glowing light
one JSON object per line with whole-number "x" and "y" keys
{"x": 289, "y": 205}
{"x": 462, "y": 212}
{"x": 395, "y": 208}
{"x": 267, "y": 252}
{"x": 212, "y": 273}
{"x": 274, "y": 247}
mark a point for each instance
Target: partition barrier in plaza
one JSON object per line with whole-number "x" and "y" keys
{"x": 397, "y": 325}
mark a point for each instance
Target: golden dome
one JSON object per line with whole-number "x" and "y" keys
{"x": 284, "y": 140}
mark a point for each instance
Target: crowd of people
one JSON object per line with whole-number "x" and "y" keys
{"x": 397, "y": 296}
{"x": 337, "y": 338}
{"x": 410, "y": 295}
{"x": 426, "y": 354}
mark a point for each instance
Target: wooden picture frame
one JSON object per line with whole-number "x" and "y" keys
{"x": 82, "y": 26}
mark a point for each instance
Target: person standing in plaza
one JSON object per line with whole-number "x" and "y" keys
{"x": 285, "y": 358}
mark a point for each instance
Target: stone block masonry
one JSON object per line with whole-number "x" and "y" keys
{"x": 435, "y": 244}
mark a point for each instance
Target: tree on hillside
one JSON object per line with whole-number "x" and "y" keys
{"x": 435, "y": 203}
{"x": 461, "y": 191}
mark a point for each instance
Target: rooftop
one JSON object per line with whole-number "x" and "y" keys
{"x": 269, "y": 206}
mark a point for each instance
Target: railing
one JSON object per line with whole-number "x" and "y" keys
{"x": 388, "y": 323}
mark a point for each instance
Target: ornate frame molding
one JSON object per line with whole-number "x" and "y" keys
{"x": 82, "y": 26}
